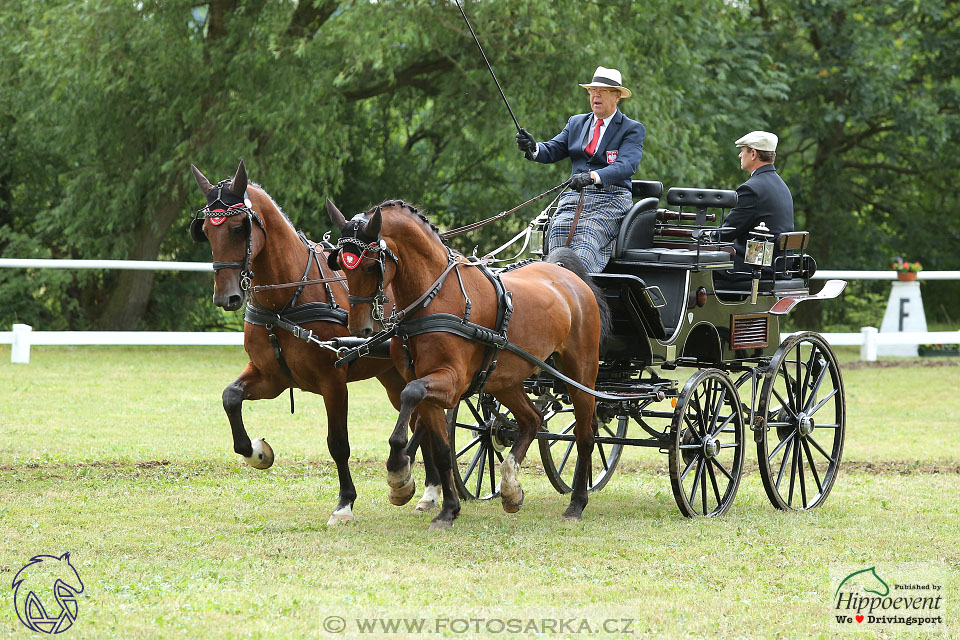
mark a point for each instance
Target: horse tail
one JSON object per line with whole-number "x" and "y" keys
{"x": 568, "y": 259}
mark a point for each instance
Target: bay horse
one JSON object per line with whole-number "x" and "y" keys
{"x": 254, "y": 246}
{"x": 556, "y": 310}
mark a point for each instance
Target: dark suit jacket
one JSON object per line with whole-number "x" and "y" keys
{"x": 764, "y": 197}
{"x": 617, "y": 156}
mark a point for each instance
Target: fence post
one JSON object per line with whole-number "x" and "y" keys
{"x": 20, "y": 348}
{"x": 868, "y": 344}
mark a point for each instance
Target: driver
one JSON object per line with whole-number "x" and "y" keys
{"x": 764, "y": 197}
{"x": 605, "y": 148}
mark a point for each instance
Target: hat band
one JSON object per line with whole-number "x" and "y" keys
{"x": 612, "y": 83}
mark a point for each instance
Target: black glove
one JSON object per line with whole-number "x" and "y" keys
{"x": 580, "y": 180}
{"x": 526, "y": 142}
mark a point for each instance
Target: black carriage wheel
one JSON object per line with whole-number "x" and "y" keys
{"x": 803, "y": 418}
{"x": 559, "y": 457}
{"x": 479, "y": 429}
{"x": 707, "y": 445}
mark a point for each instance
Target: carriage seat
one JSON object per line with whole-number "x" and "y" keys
{"x": 684, "y": 258}
{"x": 636, "y": 229}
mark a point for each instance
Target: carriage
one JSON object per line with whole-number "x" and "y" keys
{"x": 669, "y": 319}
{"x": 672, "y": 323}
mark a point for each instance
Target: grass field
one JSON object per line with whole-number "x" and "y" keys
{"x": 122, "y": 456}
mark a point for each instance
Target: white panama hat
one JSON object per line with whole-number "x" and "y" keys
{"x": 604, "y": 78}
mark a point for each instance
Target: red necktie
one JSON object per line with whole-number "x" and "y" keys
{"x": 596, "y": 138}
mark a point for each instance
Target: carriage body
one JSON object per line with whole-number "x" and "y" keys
{"x": 672, "y": 317}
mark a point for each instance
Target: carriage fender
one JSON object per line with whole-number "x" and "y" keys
{"x": 831, "y": 289}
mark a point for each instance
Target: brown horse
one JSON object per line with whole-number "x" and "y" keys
{"x": 255, "y": 245}
{"x": 556, "y": 311}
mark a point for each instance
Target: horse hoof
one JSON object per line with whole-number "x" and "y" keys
{"x": 429, "y": 500}
{"x": 402, "y": 495}
{"x": 344, "y": 514}
{"x": 513, "y": 505}
{"x": 438, "y": 525}
{"x": 336, "y": 519}
{"x": 573, "y": 515}
{"x": 262, "y": 456}
{"x": 426, "y": 505}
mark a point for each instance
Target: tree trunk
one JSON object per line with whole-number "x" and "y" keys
{"x": 125, "y": 304}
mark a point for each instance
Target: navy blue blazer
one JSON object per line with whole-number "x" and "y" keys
{"x": 764, "y": 197}
{"x": 617, "y": 156}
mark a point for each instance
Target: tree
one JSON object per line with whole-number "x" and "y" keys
{"x": 359, "y": 101}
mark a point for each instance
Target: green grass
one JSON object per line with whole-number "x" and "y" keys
{"x": 202, "y": 546}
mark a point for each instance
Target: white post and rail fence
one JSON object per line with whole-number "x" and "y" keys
{"x": 870, "y": 340}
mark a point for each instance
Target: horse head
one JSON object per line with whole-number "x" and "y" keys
{"x": 228, "y": 223}
{"x": 362, "y": 256}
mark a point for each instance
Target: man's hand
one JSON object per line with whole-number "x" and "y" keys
{"x": 526, "y": 142}
{"x": 580, "y": 180}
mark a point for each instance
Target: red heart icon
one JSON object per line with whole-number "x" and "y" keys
{"x": 859, "y": 618}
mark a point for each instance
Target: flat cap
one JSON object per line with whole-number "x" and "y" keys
{"x": 759, "y": 140}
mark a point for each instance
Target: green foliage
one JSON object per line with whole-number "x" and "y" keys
{"x": 104, "y": 105}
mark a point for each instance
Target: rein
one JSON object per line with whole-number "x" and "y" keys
{"x": 476, "y": 225}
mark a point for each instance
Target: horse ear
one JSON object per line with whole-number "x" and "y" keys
{"x": 202, "y": 181}
{"x": 239, "y": 184}
{"x": 335, "y": 216}
{"x": 372, "y": 228}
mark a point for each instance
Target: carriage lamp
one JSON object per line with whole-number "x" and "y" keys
{"x": 759, "y": 254}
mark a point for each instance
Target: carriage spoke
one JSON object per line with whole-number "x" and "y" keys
{"x": 713, "y": 480}
{"x": 703, "y": 491}
{"x": 566, "y": 456}
{"x": 789, "y": 438}
{"x": 483, "y": 463}
{"x": 473, "y": 465}
{"x": 816, "y": 387}
{"x": 717, "y": 406}
{"x": 688, "y": 467}
{"x": 813, "y": 467}
{"x": 803, "y": 484}
{"x": 791, "y": 402}
{"x": 720, "y": 466}
{"x": 469, "y": 446}
{"x": 723, "y": 426}
{"x": 783, "y": 463}
{"x": 793, "y": 473}
{"x": 493, "y": 473}
{"x": 476, "y": 413}
{"x": 696, "y": 480}
{"x": 603, "y": 458}
{"x": 820, "y": 449}
{"x": 565, "y": 431}
{"x": 820, "y": 404}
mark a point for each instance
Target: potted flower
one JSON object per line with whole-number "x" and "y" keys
{"x": 906, "y": 271}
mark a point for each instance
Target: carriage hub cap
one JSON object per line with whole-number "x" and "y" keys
{"x": 806, "y": 425}
{"x": 711, "y": 447}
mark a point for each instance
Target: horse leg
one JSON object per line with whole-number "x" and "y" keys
{"x": 402, "y": 484}
{"x": 335, "y": 399}
{"x": 528, "y": 422}
{"x": 252, "y": 384}
{"x": 584, "y": 409}
{"x": 438, "y": 391}
{"x": 436, "y": 446}
{"x": 394, "y": 384}
{"x": 431, "y": 492}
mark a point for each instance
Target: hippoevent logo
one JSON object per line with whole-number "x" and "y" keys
{"x": 892, "y": 597}
{"x": 45, "y": 594}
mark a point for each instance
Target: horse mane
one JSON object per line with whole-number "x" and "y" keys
{"x": 413, "y": 211}
{"x": 274, "y": 203}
